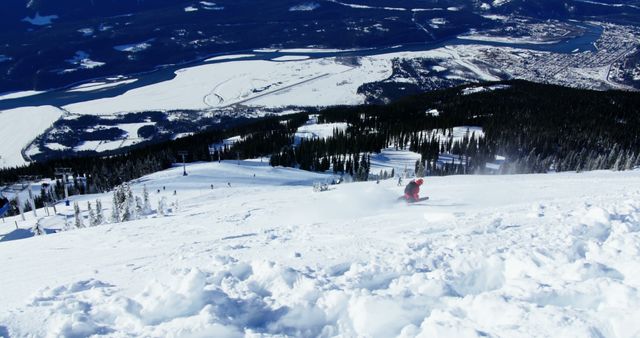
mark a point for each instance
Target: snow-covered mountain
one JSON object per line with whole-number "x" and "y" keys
{"x": 250, "y": 250}
{"x": 230, "y": 59}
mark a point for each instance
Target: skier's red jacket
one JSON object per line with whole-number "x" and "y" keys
{"x": 412, "y": 190}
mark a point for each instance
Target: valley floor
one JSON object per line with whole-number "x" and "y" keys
{"x": 553, "y": 255}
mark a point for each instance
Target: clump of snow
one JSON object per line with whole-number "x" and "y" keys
{"x": 4, "y": 58}
{"x": 307, "y": 6}
{"x": 190, "y": 9}
{"x": 38, "y": 20}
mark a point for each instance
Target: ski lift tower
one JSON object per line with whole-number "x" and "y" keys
{"x": 64, "y": 172}
{"x": 184, "y": 165}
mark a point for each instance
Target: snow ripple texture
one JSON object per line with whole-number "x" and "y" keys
{"x": 541, "y": 269}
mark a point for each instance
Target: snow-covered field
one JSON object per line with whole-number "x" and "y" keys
{"x": 19, "y": 127}
{"x": 291, "y": 80}
{"x": 507, "y": 256}
{"x": 130, "y": 138}
{"x": 257, "y": 83}
{"x": 312, "y": 129}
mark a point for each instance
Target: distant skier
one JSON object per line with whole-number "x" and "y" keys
{"x": 399, "y": 180}
{"x": 412, "y": 191}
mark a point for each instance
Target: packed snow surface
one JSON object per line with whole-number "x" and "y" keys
{"x": 503, "y": 256}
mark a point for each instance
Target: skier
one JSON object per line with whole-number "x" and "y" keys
{"x": 399, "y": 180}
{"x": 412, "y": 191}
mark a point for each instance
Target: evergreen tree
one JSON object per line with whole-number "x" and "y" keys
{"x": 127, "y": 212}
{"x": 99, "y": 212}
{"x": 37, "y": 230}
{"x": 139, "y": 206}
{"x": 115, "y": 209}
{"x": 78, "y": 215}
{"x": 162, "y": 206}
{"x": 146, "y": 207}
{"x": 420, "y": 169}
{"x": 92, "y": 216}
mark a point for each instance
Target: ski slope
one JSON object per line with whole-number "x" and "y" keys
{"x": 552, "y": 255}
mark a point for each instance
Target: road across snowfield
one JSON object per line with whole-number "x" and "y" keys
{"x": 511, "y": 256}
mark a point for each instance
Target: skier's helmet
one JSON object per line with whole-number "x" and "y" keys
{"x": 419, "y": 181}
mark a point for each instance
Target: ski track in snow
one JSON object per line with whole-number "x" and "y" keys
{"x": 507, "y": 256}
